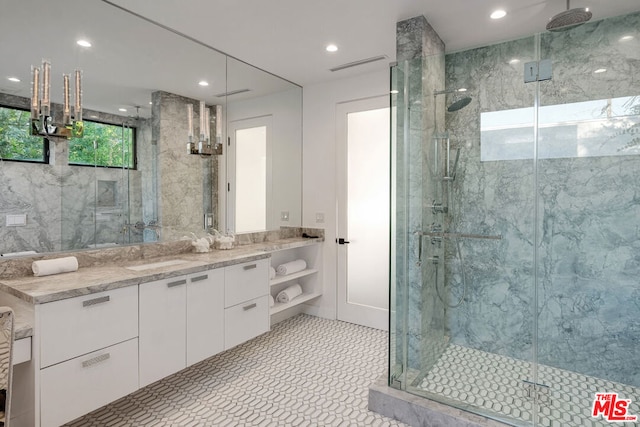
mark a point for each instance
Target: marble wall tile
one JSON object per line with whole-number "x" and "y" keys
{"x": 20, "y": 267}
{"x": 420, "y": 70}
{"x": 186, "y": 181}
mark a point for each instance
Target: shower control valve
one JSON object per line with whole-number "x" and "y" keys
{"x": 437, "y": 208}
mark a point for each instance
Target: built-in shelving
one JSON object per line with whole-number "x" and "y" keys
{"x": 290, "y": 277}
{"x": 309, "y": 279}
{"x": 278, "y": 307}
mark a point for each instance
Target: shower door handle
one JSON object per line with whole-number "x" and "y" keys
{"x": 342, "y": 241}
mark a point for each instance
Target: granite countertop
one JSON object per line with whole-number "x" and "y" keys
{"x": 40, "y": 290}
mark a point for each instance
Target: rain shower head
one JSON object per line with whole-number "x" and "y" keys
{"x": 459, "y": 104}
{"x": 569, "y": 18}
{"x": 460, "y": 101}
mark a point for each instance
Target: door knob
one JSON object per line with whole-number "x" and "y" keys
{"x": 341, "y": 241}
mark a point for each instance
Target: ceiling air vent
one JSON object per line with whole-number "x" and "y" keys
{"x": 233, "y": 92}
{"x": 358, "y": 63}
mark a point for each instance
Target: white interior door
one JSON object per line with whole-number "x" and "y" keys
{"x": 249, "y": 175}
{"x": 363, "y": 211}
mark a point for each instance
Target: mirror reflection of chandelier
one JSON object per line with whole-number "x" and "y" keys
{"x": 42, "y": 118}
{"x": 204, "y": 145}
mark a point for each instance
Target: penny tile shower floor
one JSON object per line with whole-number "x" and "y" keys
{"x": 495, "y": 384}
{"x": 307, "y": 371}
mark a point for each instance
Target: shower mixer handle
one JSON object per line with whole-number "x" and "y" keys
{"x": 437, "y": 208}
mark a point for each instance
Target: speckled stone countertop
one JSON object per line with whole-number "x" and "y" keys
{"x": 31, "y": 290}
{"x": 40, "y": 290}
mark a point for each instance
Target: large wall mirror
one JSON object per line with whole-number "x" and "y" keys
{"x": 130, "y": 179}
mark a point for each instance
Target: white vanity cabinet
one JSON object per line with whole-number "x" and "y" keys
{"x": 88, "y": 353}
{"x": 163, "y": 323}
{"x": 205, "y": 316}
{"x": 181, "y": 323}
{"x": 246, "y": 313}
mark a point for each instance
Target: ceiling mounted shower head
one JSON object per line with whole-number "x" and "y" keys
{"x": 569, "y": 18}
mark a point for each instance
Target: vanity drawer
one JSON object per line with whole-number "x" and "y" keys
{"x": 246, "y": 281}
{"x": 80, "y": 325}
{"x": 81, "y": 385}
{"x": 245, "y": 321}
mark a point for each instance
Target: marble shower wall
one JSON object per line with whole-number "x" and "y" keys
{"x": 491, "y": 198}
{"x": 420, "y": 54}
{"x": 586, "y": 229}
{"x": 186, "y": 182}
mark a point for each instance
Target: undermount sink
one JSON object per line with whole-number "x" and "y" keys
{"x": 157, "y": 265}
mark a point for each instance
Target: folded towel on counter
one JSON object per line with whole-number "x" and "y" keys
{"x": 48, "y": 267}
{"x": 288, "y": 294}
{"x": 272, "y": 273}
{"x": 291, "y": 267}
{"x": 272, "y": 302}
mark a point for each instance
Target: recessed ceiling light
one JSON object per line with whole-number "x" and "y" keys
{"x": 497, "y": 14}
{"x": 150, "y": 102}
{"x": 331, "y": 48}
{"x": 14, "y": 79}
{"x": 462, "y": 89}
{"x": 625, "y": 38}
{"x": 124, "y": 110}
{"x": 203, "y": 83}
{"x": 514, "y": 61}
{"x": 600, "y": 70}
{"x": 84, "y": 43}
{"x": 393, "y": 92}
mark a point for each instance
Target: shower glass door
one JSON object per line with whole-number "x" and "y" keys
{"x": 516, "y": 223}
{"x": 464, "y": 286}
{"x": 588, "y": 222}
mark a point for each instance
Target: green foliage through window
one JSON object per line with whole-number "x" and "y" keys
{"x": 114, "y": 146}
{"x": 15, "y": 141}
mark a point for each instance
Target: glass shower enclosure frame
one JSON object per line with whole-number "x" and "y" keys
{"x": 515, "y": 257}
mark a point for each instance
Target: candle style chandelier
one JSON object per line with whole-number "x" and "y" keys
{"x": 42, "y": 120}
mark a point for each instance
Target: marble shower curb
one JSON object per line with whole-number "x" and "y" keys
{"x": 420, "y": 412}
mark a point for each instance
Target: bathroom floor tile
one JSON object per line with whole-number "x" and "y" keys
{"x": 306, "y": 371}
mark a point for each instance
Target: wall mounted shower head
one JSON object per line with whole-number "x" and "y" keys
{"x": 460, "y": 101}
{"x": 569, "y": 18}
{"x": 459, "y": 104}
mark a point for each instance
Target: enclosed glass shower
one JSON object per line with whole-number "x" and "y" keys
{"x": 516, "y": 227}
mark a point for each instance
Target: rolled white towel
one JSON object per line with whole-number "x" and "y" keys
{"x": 272, "y": 273}
{"x": 48, "y": 267}
{"x": 14, "y": 254}
{"x": 272, "y": 302}
{"x": 291, "y": 267}
{"x": 288, "y": 294}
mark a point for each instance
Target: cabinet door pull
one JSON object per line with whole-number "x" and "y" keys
{"x": 250, "y": 306}
{"x": 177, "y": 283}
{"x": 250, "y": 267}
{"x": 199, "y": 278}
{"x": 97, "y": 359}
{"x": 100, "y": 300}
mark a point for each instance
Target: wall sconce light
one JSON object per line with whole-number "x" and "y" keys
{"x": 42, "y": 123}
{"x": 204, "y": 146}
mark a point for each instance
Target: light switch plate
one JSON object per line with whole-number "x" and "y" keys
{"x": 284, "y": 216}
{"x": 18, "y": 220}
{"x": 319, "y": 217}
